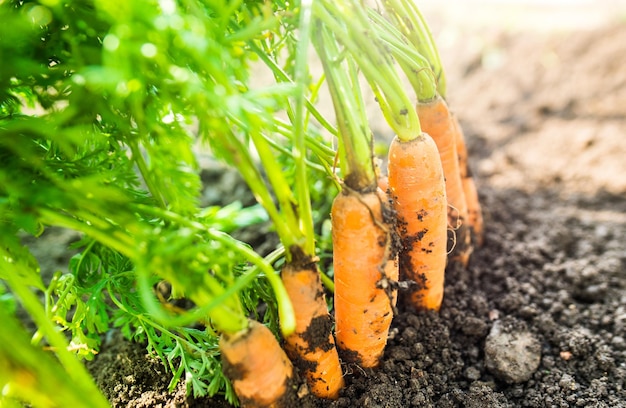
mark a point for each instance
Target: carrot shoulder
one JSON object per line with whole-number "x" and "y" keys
{"x": 364, "y": 271}
{"x": 475, "y": 213}
{"x": 312, "y": 347}
{"x": 436, "y": 121}
{"x": 418, "y": 192}
{"x": 259, "y": 369}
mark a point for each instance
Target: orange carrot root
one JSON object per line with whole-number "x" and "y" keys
{"x": 312, "y": 346}
{"x": 475, "y": 214}
{"x": 258, "y": 367}
{"x": 418, "y": 192}
{"x": 364, "y": 275}
{"x": 436, "y": 121}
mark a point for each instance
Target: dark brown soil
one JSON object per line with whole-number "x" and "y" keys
{"x": 539, "y": 317}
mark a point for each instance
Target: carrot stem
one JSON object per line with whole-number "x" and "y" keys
{"x": 299, "y": 144}
{"x": 279, "y": 73}
{"x": 284, "y": 195}
{"x": 412, "y": 23}
{"x": 415, "y": 66}
{"x": 285, "y": 309}
{"x": 355, "y": 134}
{"x": 375, "y": 62}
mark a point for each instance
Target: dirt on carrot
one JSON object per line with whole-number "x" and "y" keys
{"x": 437, "y": 122}
{"x": 246, "y": 355}
{"x": 312, "y": 346}
{"x": 365, "y": 274}
{"x": 554, "y": 255}
{"x": 418, "y": 194}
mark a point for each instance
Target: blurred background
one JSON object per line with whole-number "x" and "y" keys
{"x": 540, "y": 88}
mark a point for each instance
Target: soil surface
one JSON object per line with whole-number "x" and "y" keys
{"x": 539, "y": 317}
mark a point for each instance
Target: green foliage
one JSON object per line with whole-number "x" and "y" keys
{"x": 103, "y": 105}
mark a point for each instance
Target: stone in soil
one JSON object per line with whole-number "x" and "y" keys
{"x": 512, "y": 353}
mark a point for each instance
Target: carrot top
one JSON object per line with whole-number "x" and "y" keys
{"x": 412, "y": 24}
{"x": 351, "y": 27}
{"x": 355, "y": 137}
{"x": 415, "y": 65}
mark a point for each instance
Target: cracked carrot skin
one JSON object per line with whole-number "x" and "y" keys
{"x": 364, "y": 275}
{"x": 312, "y": 346}
{"x": 475, "y": 213}
{"x": 258, "y": 368}
{"x": 436, "y": 120}
{"x": 418, "y": 193}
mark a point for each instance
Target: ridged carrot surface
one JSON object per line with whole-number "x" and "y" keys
{"x": 258, "y": 367}
{"x": 364, "y": 274}
{"x": 312, "y": 346}
{"x": 474, "y": 209}
{"x": 418, "y": 192}
{"x": 436, "y": 120}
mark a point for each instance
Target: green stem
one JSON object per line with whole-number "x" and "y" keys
{"x": 356, "y": 137}
{"x": 145, "y": 173}
{"x": 285, "y": 220}
{"x": 299, "y": 143}
{"x": 416, "y": 68}
{"x": 275, "y": 145}
{"x": 253, "y": 178}
{"x": 413, "y": 25}
{"x": 285, "y": 309}
{"x": 77, "y": 372}
{"x": 327, "y": 282}
{"x": 375, "y": 63}
{"x": 111, "y": 236}
{"x": 324, "y": 152}
{"x": 282, "y": 75}
{"x": 199, "y": 313}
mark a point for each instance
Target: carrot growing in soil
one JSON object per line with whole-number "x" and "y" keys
{"x": 474, "y": 209}
{"x": 423, "y": 68}
{"x": 437, "y": 121}
{"x": 417, "y": 187}
{"x": 252, "y": 358}
{"x": 165, "y": 252}
{"x": 364, "y": 266}
{"x": 260, "y": 371}
{"x": 415, "y": 176}
{"x": 311, "y": 345}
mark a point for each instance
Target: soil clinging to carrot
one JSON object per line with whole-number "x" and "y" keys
{"x": 548, "y": 157}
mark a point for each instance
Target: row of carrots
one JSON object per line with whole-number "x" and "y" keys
{"x": 399, "y": 229}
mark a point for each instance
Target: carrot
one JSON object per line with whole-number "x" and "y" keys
{"x": 312, "y": 346}
{"x": 475, "y": 214}
{"x": 417, "y": 188}
{"x": 436, "y": 120}
{"x": 259, "y": 369}
{"x": 364, "y": 271}
{"x": 427, "y": 76}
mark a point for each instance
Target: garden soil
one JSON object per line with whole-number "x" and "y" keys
{"x": 539, "y": 317}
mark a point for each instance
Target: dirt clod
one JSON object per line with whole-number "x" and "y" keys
{"x": 511, "y": 354}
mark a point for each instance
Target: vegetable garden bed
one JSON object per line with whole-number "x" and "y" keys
{"x": 554, "y": 261}
{"x": 539, "y": 316}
